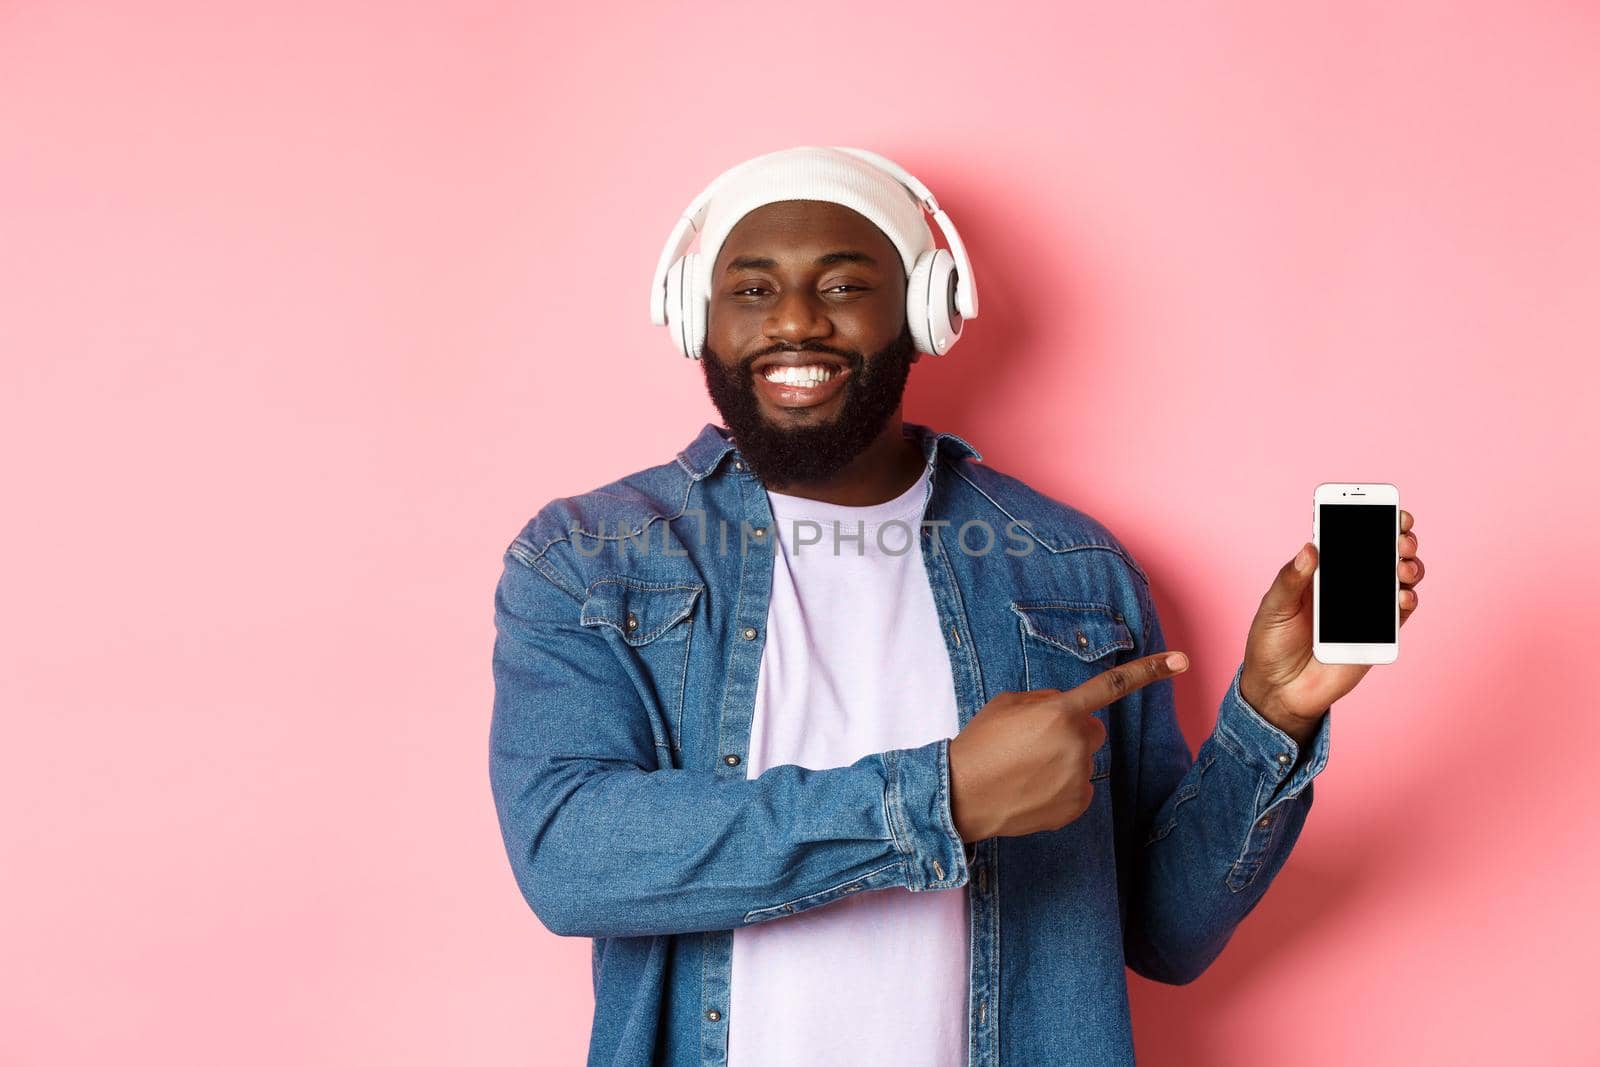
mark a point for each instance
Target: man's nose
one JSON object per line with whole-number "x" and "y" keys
{"x": 799, "y": 316}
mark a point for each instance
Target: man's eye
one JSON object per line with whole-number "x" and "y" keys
{"x": 830, "y": 289}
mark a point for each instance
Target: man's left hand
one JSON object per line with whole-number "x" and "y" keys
{"x": 1282, "y": 680}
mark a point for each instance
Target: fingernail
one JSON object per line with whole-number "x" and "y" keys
{"x": 1301, "y": 560}
{"x": 1177, "y": 661}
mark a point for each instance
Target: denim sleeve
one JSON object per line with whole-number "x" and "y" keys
{"x": 1211, "y": 831}
{"x": 604, "y": 842}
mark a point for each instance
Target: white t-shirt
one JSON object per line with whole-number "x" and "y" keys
{"x": 854, "y": 663}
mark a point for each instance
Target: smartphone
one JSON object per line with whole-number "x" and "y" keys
{"x": 1355, "y": 590}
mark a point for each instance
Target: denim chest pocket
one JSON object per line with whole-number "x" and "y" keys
{"x": 1067, "y": 642}
{"x": 655, "y": 621}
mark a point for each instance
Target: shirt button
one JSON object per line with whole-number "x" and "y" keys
{"x": 1265, "y": 822}
{"x": 1119, "y": 616}
{"x": 632, "y": 622}
{"x": 731, "y": 759}
{"x": 759, "y": 531}
{"x": 749, "y": 633}
{"x": 1283, "y": 757}
{"x": 1082, "y": 641}
{"x": 738, "y": 464}
{"x": 713, "y": 1015}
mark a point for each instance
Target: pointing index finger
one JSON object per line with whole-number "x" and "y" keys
{"x": 1110, "y": 686}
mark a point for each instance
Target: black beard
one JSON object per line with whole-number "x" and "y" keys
{"x": 785, "y": 455}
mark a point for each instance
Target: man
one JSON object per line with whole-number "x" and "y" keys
{"x": 845, "y": 747}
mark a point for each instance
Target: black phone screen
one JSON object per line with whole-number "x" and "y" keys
{"x": 1356, "y": 544}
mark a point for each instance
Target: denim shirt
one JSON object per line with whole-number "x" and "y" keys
{"x": 629, "y": 629}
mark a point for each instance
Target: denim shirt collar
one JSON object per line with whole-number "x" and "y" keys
{"x": 713, "y": 443}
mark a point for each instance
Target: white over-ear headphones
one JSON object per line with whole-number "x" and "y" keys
{"x": 940, "y": 291}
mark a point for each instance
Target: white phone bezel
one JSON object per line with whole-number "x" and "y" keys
{"x": 1332, "y": 494}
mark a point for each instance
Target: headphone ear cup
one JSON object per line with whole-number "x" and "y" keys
{"x": 696, "y": 307}
{"x": 930, "y": 302}
{"x": 686, "y": 307}
{"x": 677, "y": 293}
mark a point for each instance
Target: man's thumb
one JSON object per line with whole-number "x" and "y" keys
{"x": 1288, "y": 589}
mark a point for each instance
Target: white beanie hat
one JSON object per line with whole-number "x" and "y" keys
{"x": 813, "y": 172}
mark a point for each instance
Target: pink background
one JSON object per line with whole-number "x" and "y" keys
{"x": 305, "y": 308}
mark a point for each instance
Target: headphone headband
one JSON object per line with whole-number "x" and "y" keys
{"x": 694, "y": 217}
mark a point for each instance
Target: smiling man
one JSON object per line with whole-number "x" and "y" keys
{"x": 814, "y": 401}
{"x": 841, "y": 745}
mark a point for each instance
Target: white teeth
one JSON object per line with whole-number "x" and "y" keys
{"x": 805, "y": 377}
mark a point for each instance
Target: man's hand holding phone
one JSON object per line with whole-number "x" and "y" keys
{"x": 1282, "y": 680}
